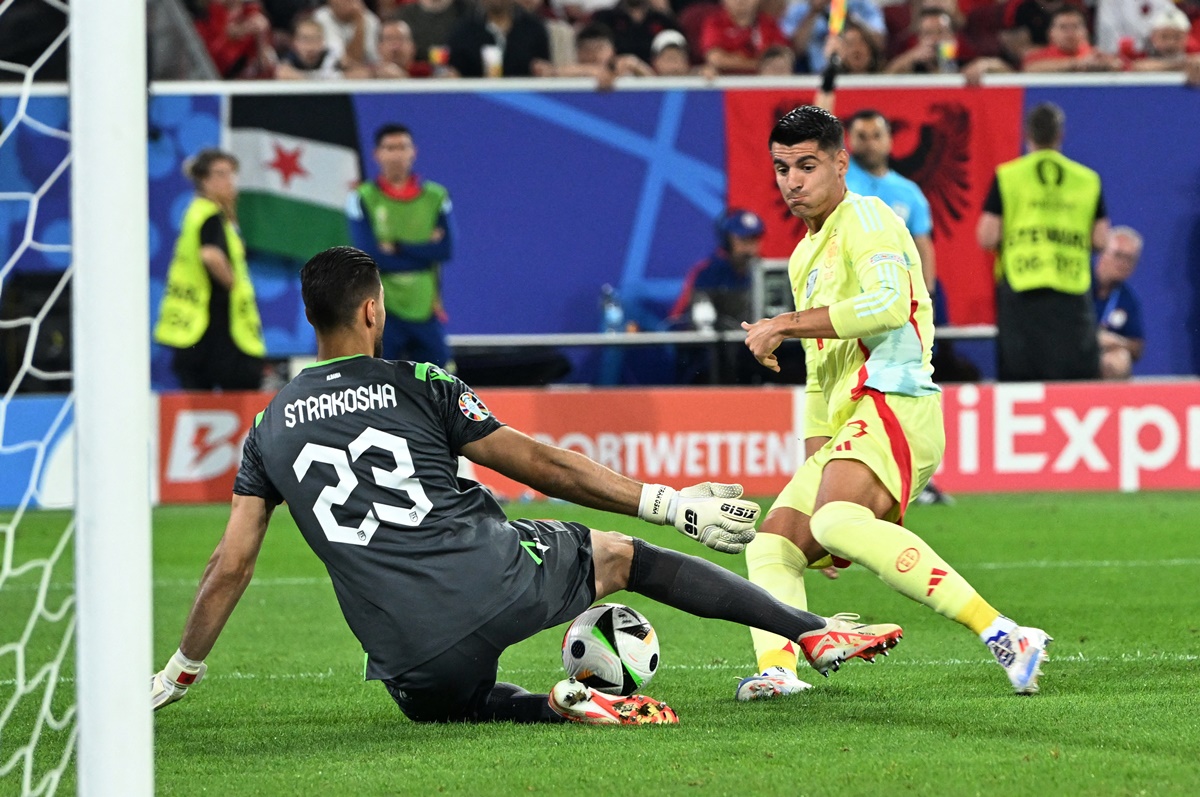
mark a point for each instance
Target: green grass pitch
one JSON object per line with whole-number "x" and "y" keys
{"x": 284, "y": 710}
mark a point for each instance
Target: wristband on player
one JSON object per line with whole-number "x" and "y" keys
{"x": 656, "y": 503}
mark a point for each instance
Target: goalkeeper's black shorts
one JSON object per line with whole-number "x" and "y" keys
{"x": 459, "y": 685}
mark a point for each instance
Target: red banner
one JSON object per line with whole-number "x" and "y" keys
{"x": 948, "y": 141}
{"x": 1032, "y": 436}
{"x": 200, "y": 443}
{"x": 675, "y": 436}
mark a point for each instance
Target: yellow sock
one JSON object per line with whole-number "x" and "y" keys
{"x": 902, "y": 560}
{"x": 777, "y": 565}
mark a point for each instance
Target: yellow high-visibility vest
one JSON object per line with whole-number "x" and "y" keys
{"x": 1049, "y": 204}
{"x": 183, "y": 317}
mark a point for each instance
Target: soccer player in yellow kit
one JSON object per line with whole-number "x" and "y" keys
{"x": 873, "y": 415}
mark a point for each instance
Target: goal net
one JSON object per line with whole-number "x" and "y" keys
{"x": 67, "y": 417}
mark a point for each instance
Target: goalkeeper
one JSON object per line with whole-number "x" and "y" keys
{"x": 432, "y": 578}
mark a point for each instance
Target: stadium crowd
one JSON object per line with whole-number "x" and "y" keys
{"x": 606, "y": 39}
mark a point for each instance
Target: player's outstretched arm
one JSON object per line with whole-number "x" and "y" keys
{"x": 713, "y": 514}
{"x": 225, "y": 578}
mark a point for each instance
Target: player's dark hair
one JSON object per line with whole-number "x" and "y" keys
{"x": 199, "y": 166}
{"x": 391, "y": 129}
{"x": 335, "y": 283}
{"x": 809, "y": 123}
{"x": 867, "y": 115}
{"x": 1044, "y": 125}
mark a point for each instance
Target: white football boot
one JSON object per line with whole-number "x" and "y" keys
{"x": 1021, "y": 652}
{"x": 772, "y": 682}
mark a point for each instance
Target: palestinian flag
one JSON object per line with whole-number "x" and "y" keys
{"x": 299, "y": 161}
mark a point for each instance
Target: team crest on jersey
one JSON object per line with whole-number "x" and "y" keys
{"x": 472, "y": 407}
{"x": 812, "y": 283}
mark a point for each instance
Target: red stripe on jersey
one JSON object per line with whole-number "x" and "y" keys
{"x": 857, "y": 392}
{"x": 899, "y": 444}
{"x": 912, "y": 313}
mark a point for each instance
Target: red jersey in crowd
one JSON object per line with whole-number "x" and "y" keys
{"x": 721, "y": 32}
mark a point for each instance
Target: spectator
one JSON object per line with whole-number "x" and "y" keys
{"x": 1027, "y": 25}
{"x": 903, "y": 22}
{"x": 777, "y": 60}
{"x": 398, "y": 52}
{"x": 403, "y": 222}
{"x": 351, "y": 28}
{"x": 501, "y": 30}
{"x": 669, "y": 54}
{"x": 431, "y": 23}
{"x": 938, "y": 48}
{"x": 734, "y": 37}
{"x": 237, "y": 36}
{"x": 857, "y": 49}
{"x": 716, "y": 295}
{"x": 1069, "y": 50}
{"x": 807, "y": 23}
{"x": 598, "y": 58}
{"x": 560, "y": 32}
{"x": 1168, "y": 45}
{"x": 308, "y": 57}
{"x": 1121, "y": 24}
{"x": 208, "y": 313}
{"x": 1043, "y": 216}
{"x": 634, "y": 24}
{"x": 1118, "y": 310}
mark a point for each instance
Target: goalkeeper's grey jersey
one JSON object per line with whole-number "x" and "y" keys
{"x": 364, "y": 452}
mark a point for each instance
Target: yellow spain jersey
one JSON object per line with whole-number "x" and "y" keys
{"x": 864, "y": 266}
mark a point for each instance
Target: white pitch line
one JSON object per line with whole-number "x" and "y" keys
{"x": 1055, "y": 661}
{"x": 1036, "y": 564}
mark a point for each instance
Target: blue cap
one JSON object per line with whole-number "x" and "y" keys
{"x": 742, "y": 223}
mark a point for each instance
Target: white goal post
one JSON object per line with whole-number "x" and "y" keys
{"x": 108, "y": 97}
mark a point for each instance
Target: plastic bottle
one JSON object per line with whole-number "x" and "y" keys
{"x": 612, "y": 313}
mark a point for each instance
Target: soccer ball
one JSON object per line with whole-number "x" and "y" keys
{"x": 612, "y": 649}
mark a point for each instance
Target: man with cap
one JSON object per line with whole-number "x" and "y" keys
{"x": 1169, "y": 45}
{"x": 669, "y": 54}
{"x": 716, "y": 295}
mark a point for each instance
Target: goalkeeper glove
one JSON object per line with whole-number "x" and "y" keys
{"x": 710, "y": 513}
{"x": 172, "y": 682}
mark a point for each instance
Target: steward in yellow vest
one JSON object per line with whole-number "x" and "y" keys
{"x": 208, "y": 312}
{"x": 1043, "y": 217}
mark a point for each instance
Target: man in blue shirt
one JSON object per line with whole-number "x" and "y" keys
{"x": 716, "y": 295}
{"x": 1118, "y": 310}
{"x": 870, "y": 175}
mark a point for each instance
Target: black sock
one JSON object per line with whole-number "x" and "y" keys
{"x": 699, "y": 587}
{"x": 510, "y": 703}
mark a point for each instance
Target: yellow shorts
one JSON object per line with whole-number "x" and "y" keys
{"x": 900, "y": 438}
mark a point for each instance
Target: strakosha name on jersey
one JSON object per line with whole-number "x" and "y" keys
{"x": 338, "y": 402}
